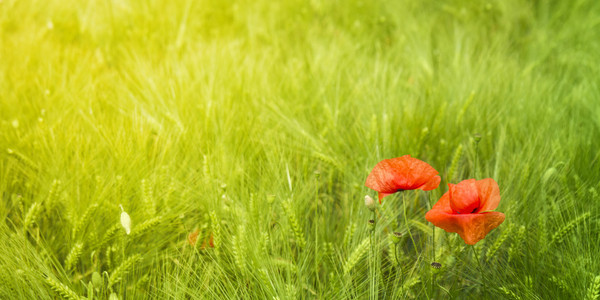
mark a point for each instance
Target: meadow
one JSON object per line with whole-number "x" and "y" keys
{"x": 237, "y": 136}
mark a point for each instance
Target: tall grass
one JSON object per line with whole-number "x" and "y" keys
{"x": 257, "y": 122}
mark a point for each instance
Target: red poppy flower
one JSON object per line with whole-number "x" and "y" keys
{"x": 402, "y": 173}
{"x": 467, "y": 209}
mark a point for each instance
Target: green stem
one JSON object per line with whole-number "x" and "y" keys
{"x": 476, "y": 159}
{"x": 372, "y": 262}
{"x": 317, "y": 234}
{"x": 480, "y": 269}
{"x": 399, "y": 269}
{"x": 406, "y": 221}
{"x": 396, "y": 256}
{"x": 433, "y": 251}
{"x": 433, "y": 246}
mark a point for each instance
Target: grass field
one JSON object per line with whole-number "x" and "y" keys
{"x": 252, "y": 126}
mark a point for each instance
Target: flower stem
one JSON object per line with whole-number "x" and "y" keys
{"x": 433, "y": 250}
{"x": 372, "y": 262}
{"x": 476, "y": 158}
{"x": 406, "y": 221}
{"x": 317, "y": 176}
{"x": 480, "y": 269}
{"x": 399, "y": 268}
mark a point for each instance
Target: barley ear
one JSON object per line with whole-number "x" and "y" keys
{"x": 509, "y": 293}
{"x": 356, "y": 255}
{"x": 349, "y": 235}
{"x": 593, "y": 292}
{"x": 146, "y": 226}
{"x": 293, "y": 220}
{"x": 64, "y": 291}
{"x": 148, "y": 198}
{"x": 83, "y": 220}
{"x": 215, "y": 224}
{"x": 517, "y": 242}
{"x": 121, "y": 271}
{"x": 491, "y": 252}
{"x": 455, "y": 160}
{"x": 31, "y": 216}
{"x": 53, "y": 195}
{"x": 239, "y": 249}
{"x": 73, "y": 256}
{"x": 559, "y": 236}
{"x": 109, "y": 235}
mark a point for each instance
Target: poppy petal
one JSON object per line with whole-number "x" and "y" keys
{"x": 381, "y": 195}
{"x": 471, "y": 227}
{"x": 464, "y": 198}
{"x": 383, "y": 177}
{"x": 489, "y": 194}
{"x": 401, "y": 173}
{"x": 432, "y": 184}
{"x": 443, "y": 205}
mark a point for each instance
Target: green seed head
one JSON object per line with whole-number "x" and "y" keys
{"x": 396, "y": 237}
{"x": 371, "y": 224}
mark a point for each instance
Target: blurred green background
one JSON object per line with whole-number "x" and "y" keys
{"x": 257, "y": 122}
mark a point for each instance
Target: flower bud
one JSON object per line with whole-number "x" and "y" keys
{"x": 370, "y": 203}
{"x": 396, "y": 237}
{"x": 371, "y": 224}
{"x": 125, "y": 220}
{"x": 477, "y": 137}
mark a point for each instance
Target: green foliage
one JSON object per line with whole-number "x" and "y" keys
{"x": 215, "y": 224}
{"x": 203, "y": 114}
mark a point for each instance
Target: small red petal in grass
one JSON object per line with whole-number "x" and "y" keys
{"x": 193, "y": 237}
{"x": 210, "y": 242}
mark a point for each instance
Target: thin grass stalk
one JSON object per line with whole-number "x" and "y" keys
{"x": 372, "y": 263}
{"x": 406, "y": 221}
{"x": 481, "y": 273}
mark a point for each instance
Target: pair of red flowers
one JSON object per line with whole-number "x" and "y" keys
{"x": 467, "y": 207}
